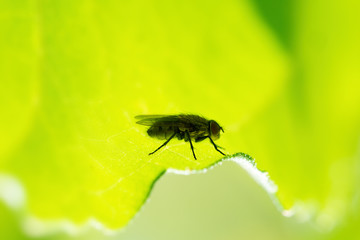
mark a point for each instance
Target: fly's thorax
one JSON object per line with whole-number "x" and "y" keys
{"x": 161, "y": 132}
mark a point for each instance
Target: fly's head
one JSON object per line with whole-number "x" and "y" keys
{"x": 214, "y": 130}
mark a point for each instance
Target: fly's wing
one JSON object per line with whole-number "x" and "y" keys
{"x": 192, "y": 123}
{"x": 150, "y": 120}
{"x": 150, "y": 116}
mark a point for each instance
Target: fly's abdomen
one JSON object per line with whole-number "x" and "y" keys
{"x": 161, "y": 132}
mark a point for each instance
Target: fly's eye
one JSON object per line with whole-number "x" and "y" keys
{"x": 214, "y": 128}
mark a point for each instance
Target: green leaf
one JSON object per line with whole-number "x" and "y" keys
{"x": 75, "y": 73}
{"x": 95, "y": 65}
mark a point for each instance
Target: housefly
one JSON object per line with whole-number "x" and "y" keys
{"x": 185, "y": 127}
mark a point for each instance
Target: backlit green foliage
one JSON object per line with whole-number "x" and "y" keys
{"x": 75, "y": 73}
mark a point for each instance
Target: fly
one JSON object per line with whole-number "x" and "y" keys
{"x": 185, "y": 127}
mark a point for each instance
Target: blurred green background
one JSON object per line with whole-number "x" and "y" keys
{"x": 282, "y": 78}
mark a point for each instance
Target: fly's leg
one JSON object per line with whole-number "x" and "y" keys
{"x": 192, "y": 148}
{"x": 215, "y": 146}
{"x": 219, "y": 147}
{"x": 163, "y": 144}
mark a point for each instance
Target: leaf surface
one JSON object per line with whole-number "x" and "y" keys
{"x": 76, "y": 73}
